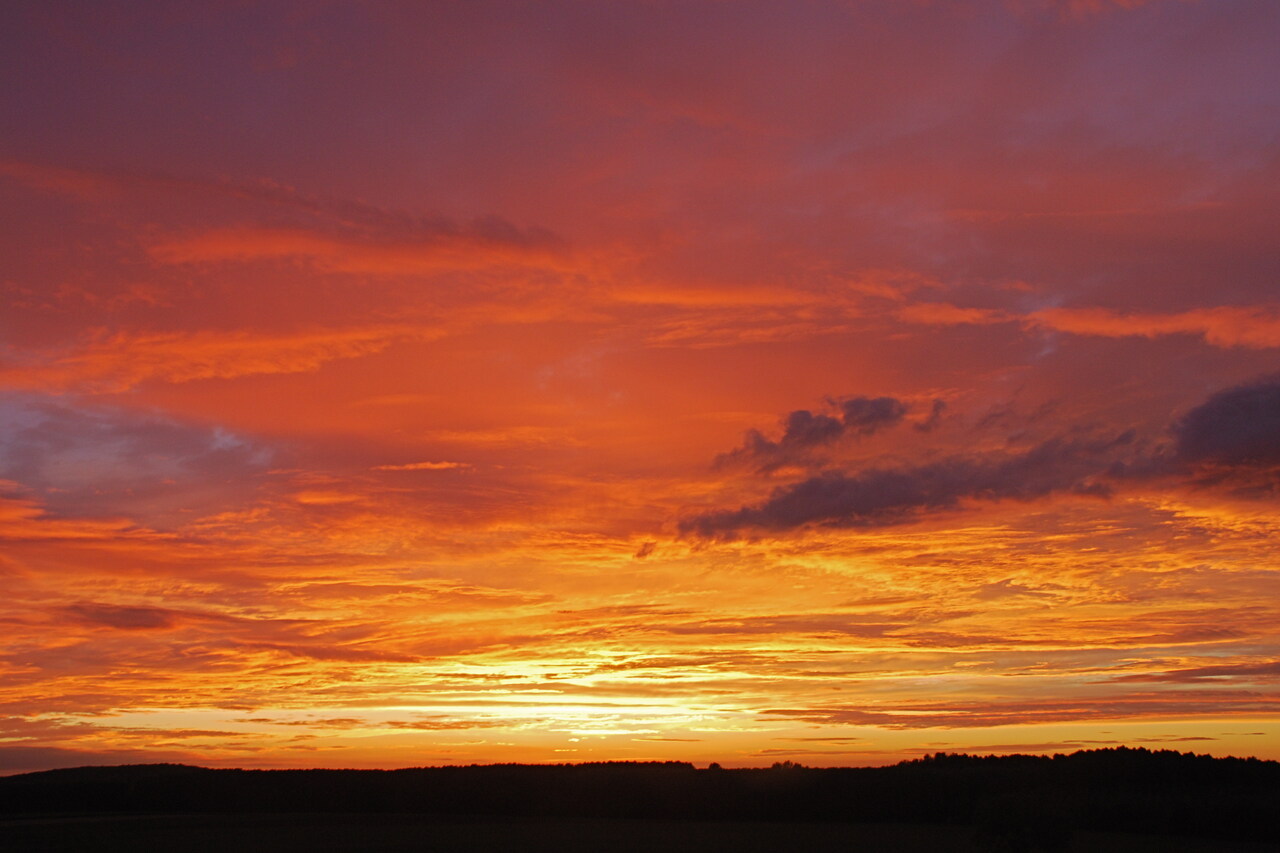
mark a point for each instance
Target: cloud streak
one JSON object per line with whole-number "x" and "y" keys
{"x": 117, "y": 362}
{"x": 878, "y": 496}
{"x": 484, "y": 244}
{"x": 1255, "y": 327}
{"x": 1246, "y": 327}
{"x": 424, "y": 466}
{"x": 995, "y": 712}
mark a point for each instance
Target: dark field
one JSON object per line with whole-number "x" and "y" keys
{"x": 1089, "y": 802}
{"x": 396, "y": 833}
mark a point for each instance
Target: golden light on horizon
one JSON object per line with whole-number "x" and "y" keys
{"x": 419, "y": 384}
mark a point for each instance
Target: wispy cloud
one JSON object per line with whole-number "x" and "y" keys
{"x": 476, "y": 247}
{"x": 424, "y": 466}
{"x": 119, "y": 361}
{"x": 998, "y": 712}
{"x": 1252, "y": 327}
{"x": 1249, "y": 327}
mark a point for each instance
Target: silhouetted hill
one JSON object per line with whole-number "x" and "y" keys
{"x": 1112, "y": 790}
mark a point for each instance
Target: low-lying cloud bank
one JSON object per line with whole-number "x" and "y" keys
{"x": 806, "y": 433}
{"x": 1230, "y": 441}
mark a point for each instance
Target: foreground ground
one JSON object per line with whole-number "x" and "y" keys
{"x": 394, "y": 833}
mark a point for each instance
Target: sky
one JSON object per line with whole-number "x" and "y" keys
{"x": 392, "y": 384}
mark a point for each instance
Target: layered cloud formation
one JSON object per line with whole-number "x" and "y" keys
{"x": 1231, "y": 440}
{"x": 423, "y": 383}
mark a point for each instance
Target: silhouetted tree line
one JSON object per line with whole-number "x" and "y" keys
{"x": 1017, "y": 802}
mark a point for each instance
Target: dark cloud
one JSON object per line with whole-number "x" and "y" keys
{"x": 878, "y": 496}
{"x": 805, "y": 431}
{"x": 1249, "y": 671}
{"x": 935, "y": 417}
{"x": 804, "y": 428}
{"x": 866, "y": 415}
{"x": 126, "y": 618}
{"x": 1230, "y": 441}
{"x": 1236, "y": 427}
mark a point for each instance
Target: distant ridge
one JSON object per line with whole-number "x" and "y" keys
{"x": 1110, "y": 790}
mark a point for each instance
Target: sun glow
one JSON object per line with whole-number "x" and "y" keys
{"x": 560, "y": 382}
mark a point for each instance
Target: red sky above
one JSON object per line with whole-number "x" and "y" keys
{"x": 388, "y": 384}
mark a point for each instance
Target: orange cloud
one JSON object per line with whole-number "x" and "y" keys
{"x": 1252, "y": 327}
{"x": 424, "y": 466}
{"x": 440, "y": 251}
{"x": 392, "y": 543}
{"x": 706, "y": 297}
{"x": 944, "y": 314}
{"x": 1175, "y": 704}
{"x": 117, "y": 362}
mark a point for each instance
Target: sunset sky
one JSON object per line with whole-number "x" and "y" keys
{"x": 390, "y": 384}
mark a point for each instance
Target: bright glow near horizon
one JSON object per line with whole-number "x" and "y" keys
{"x": 393, "y": 384}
